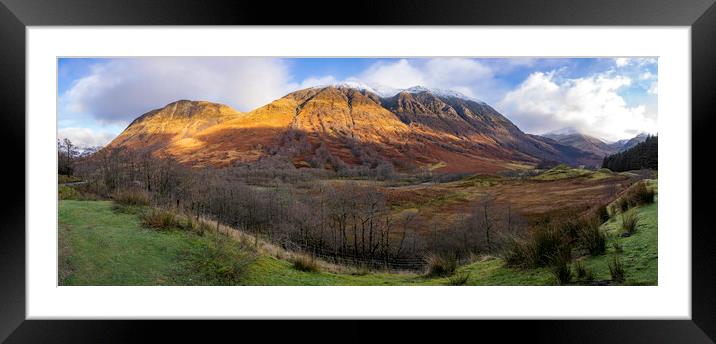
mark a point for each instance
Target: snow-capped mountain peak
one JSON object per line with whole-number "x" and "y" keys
{"x": 386, "y": 91}
{"x": 440, "y": 92}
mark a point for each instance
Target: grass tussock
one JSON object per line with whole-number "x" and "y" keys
{"x": 560, "y": 265}
{"x": 130, "y": 197}
{"x": 160, "y": 219}
{"x": 361, "y": 270}
{"x": 579, "y": 269}
{"x": 562, "y": 274}
{"x": 601, "y": 213}
{"x": 630, "y": 222}
{"x": 637, "y": 195}
{"x": 617, "y": 246}
{"x": 616, "y": 270}
{"x": 440, "y": 265}
{"x": 551, "y": 244}
{"x": 459, "y": 279}
{"x": 306, "y": 264}
{"x": 582, "y": 272}
{"x": 199, "y": 227}
{"x": 591, "y": 237}
{"x": 220, "y": 261}
{"x": 520, "y": 252}
{"x": 538, "y": 248}
{"x": 640, "y": 194}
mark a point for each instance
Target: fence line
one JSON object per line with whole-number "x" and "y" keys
{"x": 333, "y": 256}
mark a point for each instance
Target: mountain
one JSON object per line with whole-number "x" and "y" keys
{"x": 583, "y": 142}
{"x": 572, "y": 137}
{"x": 339, "y": 125}
{"x": 176, "y": 125}
{"x": 625, "y": 144}
{"x": 643, "y": 155}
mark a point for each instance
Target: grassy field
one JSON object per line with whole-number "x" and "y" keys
{"x": 565, "y": 172}
{"x": 562, "y": 172}
{"x": 561, "y": 189}
{"x": 639, "y": 251}
{"x": 100, "y": 246}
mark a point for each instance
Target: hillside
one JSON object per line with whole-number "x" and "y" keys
{"x": 584, "y": 142}
{"x": 100, "y": 246}
{"x": 573, "y": 138}
{"x": 623, "y": 145}
{"x": 338, "y": 126}
{"x": 174, "y": 123}
{"x": 644, "y": 155}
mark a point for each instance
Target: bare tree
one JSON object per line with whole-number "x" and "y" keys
{"x": 407, "y": 218}
{"x": 486, "y": 204}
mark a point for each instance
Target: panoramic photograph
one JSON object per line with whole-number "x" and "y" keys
{"x": 440, "y": 171}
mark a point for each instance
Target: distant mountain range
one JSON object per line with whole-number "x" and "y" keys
{"x": 572, "y": 137}
{"x": 343, "y": 125}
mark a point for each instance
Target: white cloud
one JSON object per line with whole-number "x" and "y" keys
{"x": 314, "y": 81}
{"x": 545, "y": 102}
{"x": 85, "y": 137}
{"x": 120, "y": 90}
{"x": 646, "y": 76}
{"x": 621, "y": 61}
{"x": 654, "y": 88}
{"x": 634, "y": 61}
{"x": 454, "y": 72}
{"x": 399, "y": 74}
{"x": 470, "y": 77}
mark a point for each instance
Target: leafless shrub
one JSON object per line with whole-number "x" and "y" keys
{"x": 131, "y": 197}
{"x": 440, "y": 265}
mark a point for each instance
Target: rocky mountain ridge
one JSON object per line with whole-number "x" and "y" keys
{"x": 339, "y": 126}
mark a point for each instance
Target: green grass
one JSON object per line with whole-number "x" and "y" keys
{"x": 480, "y": 180}
{"x": 63, "y": 178}
{"x": 99, "y": 246}
{"x": 602, "y": 173}
{"x": 69, "y": 193}
{"x": 563, "y": 172}
{"x": 639, "y": 252}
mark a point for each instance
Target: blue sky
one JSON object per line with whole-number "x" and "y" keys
{"x": 610, "y": 98}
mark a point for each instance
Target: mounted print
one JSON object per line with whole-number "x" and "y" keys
{"x": 408, "y": 171}
{"x": 452, "y": 160}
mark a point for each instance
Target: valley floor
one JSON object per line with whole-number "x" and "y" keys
{"x": 100, "y": 246}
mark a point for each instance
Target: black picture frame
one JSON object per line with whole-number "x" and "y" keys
{"x": 15, "y": 15}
